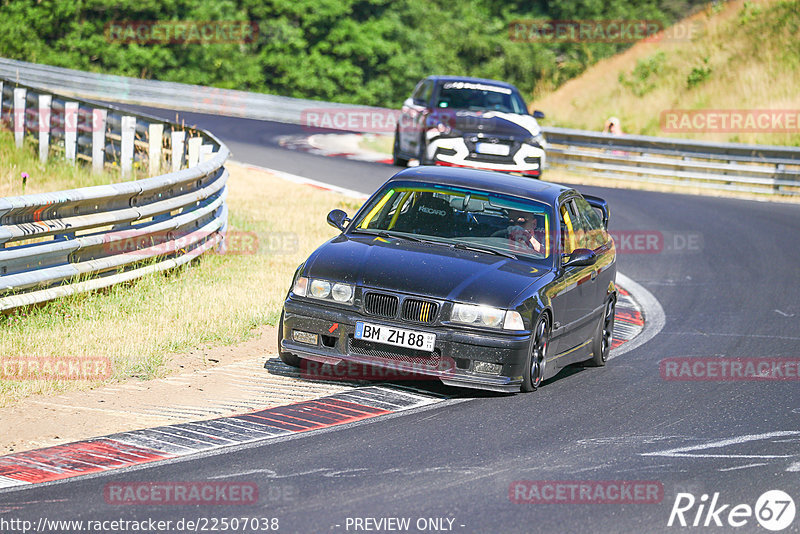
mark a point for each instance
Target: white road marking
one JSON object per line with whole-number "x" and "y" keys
{"x": 685, "y": 452}
{"x": 741, "y": 467}
{"x": 308, "y": 181}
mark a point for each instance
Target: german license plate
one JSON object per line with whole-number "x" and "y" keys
{"x": 399, "y": 337}
{"x": 491, "y": 148}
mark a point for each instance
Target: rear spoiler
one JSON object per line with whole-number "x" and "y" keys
{"x": 600, "y": 204}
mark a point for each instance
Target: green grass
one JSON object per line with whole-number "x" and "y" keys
{"x": 53, "y": 175}
{"x": 216, "y": 300}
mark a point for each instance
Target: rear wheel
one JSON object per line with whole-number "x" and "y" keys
{"x": 396, "y": 159}
{"x": 601, "y": 345}
{"x": 534, "y": 370}
{"x": 423, "y": 149}
{"x": 286, "y": 357}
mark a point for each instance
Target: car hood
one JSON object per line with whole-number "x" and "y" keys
{"x": 431, "y": 270}
{"x": 490, "y": 123}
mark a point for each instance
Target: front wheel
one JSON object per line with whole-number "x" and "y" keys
{"x": 286, "y": 357}
{"x": 396, "y": 158}
{"x": 534, "y": 369}
{"x": 601, "y": 345}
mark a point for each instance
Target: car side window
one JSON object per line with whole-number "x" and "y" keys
{"x": 595, "y": 236}
{"x": 422, "y": 94}
{"x": 416, "y": 96}
{"x": 568, "y": 241}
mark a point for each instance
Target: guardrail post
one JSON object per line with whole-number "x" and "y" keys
{"x": 1, "y": 103}
{"x": 155, "y": 137}
{"x": 45, "y": 101}
{"x": 194, "y": 151}
{"x": 176, "y": 144}
{"x": 19, "y": 115}
{"x": 70, "y": 130}
{"x": 128, "y": 131}
{"x": 98, "y": 139}
{"x": 206, "y": 152}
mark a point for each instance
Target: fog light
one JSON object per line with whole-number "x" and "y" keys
{"x": 304, "y": 337}
{"x": 488, "y": 368}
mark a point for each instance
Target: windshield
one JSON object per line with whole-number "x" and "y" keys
{"x": 455, "y": 215}
{"x": 479, "y": 97}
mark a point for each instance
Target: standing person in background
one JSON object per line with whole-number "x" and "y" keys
{"x": 613, "y": 127}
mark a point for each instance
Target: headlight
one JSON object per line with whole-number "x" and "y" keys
{"x": 486, "y": 316}
{"x": 537, "y": 140}
{"x": 320, "y": 289}
{"x": 324, "y": 290}
{"x": 342, "y": 292}
{"x": 300, "y": 287}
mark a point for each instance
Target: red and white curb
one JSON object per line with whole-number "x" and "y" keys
{"x": 138, "y": 447}
{"x": 334, "y": 145}
{"x": 628, "y": 321}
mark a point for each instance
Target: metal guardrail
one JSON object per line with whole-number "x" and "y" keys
{"x": 65, "y": 242}
{"x": 178, "y": 96}
{"x": 715, "y": 166}
{"x": 769, "y": 170}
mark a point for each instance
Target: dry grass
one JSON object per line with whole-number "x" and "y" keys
{"x": 752, "y": 55}
{"x": 54, "y": 175}
{"x": 217, "y": 300}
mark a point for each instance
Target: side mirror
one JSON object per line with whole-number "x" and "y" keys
{"x": 338, "y": 219}
{"x": 538, "y": 114}
{"x": 581, "y": 257}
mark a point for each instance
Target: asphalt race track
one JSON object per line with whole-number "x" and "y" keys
{"x": 726, "y": 273}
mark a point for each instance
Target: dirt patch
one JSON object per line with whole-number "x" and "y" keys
{"x": 211, "y": 382}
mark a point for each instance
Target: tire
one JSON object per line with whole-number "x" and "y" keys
{"x": 396, "y": 159}
{"x": 421, "y": 151}
{"x": 286, "y": 357}
{"x": 601, "y": 344}
{"x": 537, "y": 357}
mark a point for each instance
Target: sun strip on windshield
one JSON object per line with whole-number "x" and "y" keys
{"x": 365, "y": 223}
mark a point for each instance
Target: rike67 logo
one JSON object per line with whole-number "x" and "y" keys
{"x": 774, "y": 510}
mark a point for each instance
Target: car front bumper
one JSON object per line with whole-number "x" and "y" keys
{"x": 453, "y": 151}
{"x": 455, "y": 351}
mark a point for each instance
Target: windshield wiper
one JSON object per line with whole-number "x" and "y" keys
{"x": 488, "y": 250}
{"x": 385, "y": 234}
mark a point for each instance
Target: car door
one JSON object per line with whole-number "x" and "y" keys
{"x": 573, "y": 311}
{"x": 597, "y": 239}
{"x": 563, "y": 294}
{"x": 415, "y": 110}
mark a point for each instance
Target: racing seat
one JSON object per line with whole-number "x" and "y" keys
{"x": 428, "y": 216}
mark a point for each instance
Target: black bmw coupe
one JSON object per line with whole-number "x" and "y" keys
{"x": 476, "y": 278}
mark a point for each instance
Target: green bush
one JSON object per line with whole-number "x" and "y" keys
{"x": 355, "y": 51}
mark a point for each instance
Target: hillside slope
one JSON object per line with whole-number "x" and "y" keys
{"x": 741, "y": 56}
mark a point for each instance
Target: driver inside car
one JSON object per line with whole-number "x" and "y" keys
{"x": 522, "y": 230}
